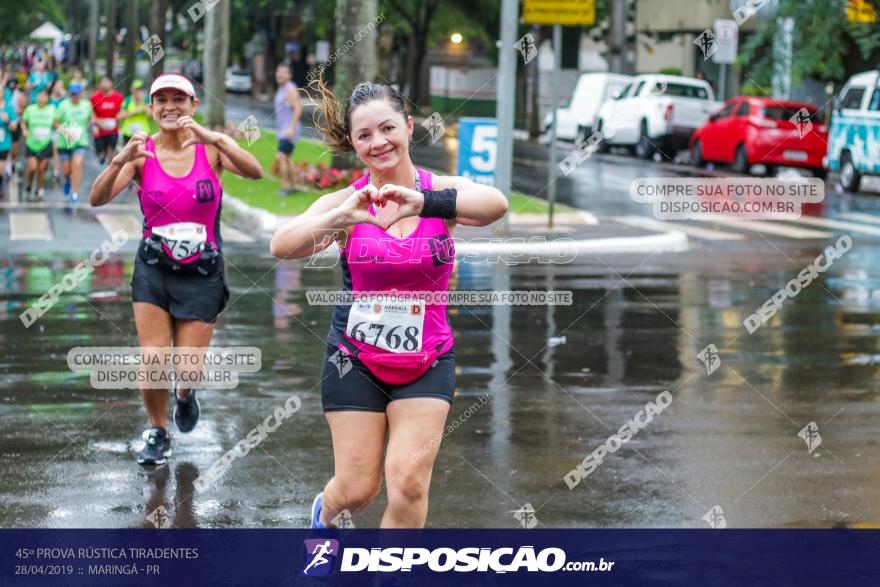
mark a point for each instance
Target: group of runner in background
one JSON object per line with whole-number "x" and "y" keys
{"x": 48, "y": 117}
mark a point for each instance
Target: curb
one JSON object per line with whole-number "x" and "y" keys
{"x": 565, "y": 250}
{"x": 256, "y": 220}
{"x": 264, "y": 223}
{"x": 667, "y": 242}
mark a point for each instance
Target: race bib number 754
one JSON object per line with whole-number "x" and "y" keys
{"x": 183, "y": 239}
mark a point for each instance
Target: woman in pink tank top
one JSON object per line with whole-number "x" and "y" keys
{"x": 389, "y": 367}
{"x": 178, "y": 283}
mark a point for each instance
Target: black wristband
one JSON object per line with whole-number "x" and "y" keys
{"x": 439, "y": 203}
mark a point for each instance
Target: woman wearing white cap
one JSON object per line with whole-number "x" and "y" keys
{"x": 178, "y": 284}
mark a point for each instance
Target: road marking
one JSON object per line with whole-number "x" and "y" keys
{"x": 838, "y": 224}
{"x": 764, "y": 226}
{"x": 233, "y": 235}
{"x": 29, "y": 226}
{"x": 869, "y": 218}
{"x": 704, "y": 233}
{"x": 127, "y": 222}
{"x": 64, "y": 205}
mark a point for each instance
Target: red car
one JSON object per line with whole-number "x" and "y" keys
{"x": 749, "y": 130}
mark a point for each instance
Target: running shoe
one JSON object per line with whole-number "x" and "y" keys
{"x": 41, "y": 193}
{"x": 186, "y": 411}
{"x": 157, "y": 447}
{"x": 66, "y": 187}
{"x": 74, "y": 198}
{"x": 316, "y": 511}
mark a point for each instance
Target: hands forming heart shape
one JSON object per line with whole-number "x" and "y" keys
{"x": 409, "y": 203}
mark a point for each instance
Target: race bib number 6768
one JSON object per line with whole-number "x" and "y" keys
{"x": 397, "y": 327}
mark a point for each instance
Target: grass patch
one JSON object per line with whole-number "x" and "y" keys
{"x": 264, "y": 193}
{"x": 523, "y": 204}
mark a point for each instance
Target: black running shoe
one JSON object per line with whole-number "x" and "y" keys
{"x": 186, "y": 411}
{"x": 157, "y": 447}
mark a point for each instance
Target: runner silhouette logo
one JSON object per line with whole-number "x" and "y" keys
{"x": 320, "y": 554}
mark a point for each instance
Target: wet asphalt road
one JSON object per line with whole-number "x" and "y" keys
{"x": 728, "y": 439}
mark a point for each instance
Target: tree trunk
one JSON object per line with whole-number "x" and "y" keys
{"x": 355, "y": 42}
{"x": 157, "y": 27}
{"x": 93, "y": 40}
{"x": 110, "y": 41}
{"x": 421, "y": 46}
{"x": 216, "y": 59}
{"x": 132, "y": 38}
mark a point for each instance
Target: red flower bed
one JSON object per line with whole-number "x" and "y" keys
{"x": 324, "y": 177}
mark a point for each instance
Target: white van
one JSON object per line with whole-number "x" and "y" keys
{"x": 854, "y": 133}
{"x": 591, "y": 90}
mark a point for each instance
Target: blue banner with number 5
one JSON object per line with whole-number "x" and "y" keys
{"x": 477, "y": 149}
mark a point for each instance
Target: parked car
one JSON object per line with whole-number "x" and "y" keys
{"x": 238, "y": 80}
{"x": 656, "y": 112}
{"x": 749, "y": 130}
{"x": 575, "y": 121}
{"x": 855, "y": 130}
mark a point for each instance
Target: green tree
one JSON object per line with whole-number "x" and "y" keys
{"x": 17, "y": 22}
{"x": 417, "y": 16}
{"x": 823, "y": 39}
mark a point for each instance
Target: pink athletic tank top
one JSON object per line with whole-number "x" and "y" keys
{"x": 167, "y": 200}
{"x": 373, "y": 260}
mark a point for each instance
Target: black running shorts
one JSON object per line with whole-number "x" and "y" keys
{"x": 346, "y": 384}
{"x": 285, "y": 146}
{"x": 105, "y": 142}
{"x": 187, "y": 297}
{"x": 41, "y": 155}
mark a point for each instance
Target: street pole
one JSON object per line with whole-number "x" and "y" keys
{"x": 722, "y": 82}
{"x": 554, "y": 93}
{"x": 506, "y": 100}
{"x": 617, "y": 61}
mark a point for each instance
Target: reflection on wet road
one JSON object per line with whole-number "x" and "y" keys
{"x": 634, "y": 330}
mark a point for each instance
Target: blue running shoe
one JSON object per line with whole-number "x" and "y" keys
{"x": 186, "y": 411}
{"x": 316, "y": 511}
{"x": 74, "y": 199}
{"x": 66, "y": 187}
{"x": 157, "y": 447}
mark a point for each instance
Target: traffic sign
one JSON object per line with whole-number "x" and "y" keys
{"x": 477, "y": 149}
{"x": 726, "y": 41}
{"x": 562, "y": 12}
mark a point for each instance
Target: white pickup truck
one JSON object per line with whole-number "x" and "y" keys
{"x": 655, "y": 113}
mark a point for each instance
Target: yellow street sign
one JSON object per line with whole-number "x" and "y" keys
{"x": 562, "y": 12}
{"x": 860, "y": 11}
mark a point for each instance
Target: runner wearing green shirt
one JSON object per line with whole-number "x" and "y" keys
{"x": 37, "y": 126}
{"x": 56, "y": 97}
{"x": 72, "y": 119}
{"x": 8, "y": 125}
{"x": 133, "y": 114}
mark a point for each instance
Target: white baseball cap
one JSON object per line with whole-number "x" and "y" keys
{"x": 173, "y": 81}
